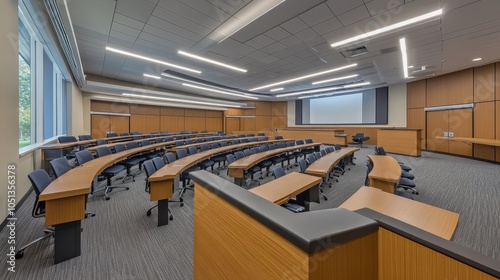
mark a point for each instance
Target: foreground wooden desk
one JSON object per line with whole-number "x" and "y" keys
{"x": 403, "y": 141}
{"x": 279, "y": 191}
{"x": 385, "y": 173}
{"x": 435, "y": 220}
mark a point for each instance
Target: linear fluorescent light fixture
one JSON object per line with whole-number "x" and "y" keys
{"x": 402, "y": 43}
{"x": 323, "y": 89}
{"x": 179, "y": 100}
{"x": 152, "y": 76}
{"x": 335, "y": 79}
{"x": 449, "y": 107}
{"x": 276, "y": 89}
{"x": 219, "y": 91}
{"x": 211, "y": 61}
{"x": 330, "y": 93}
{"x": 152, "y": 60}
{"x": 388, "y": 28}
{"x": 306, "y": 76}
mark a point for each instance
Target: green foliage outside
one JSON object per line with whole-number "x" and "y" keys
{"x": 24, "y": 103}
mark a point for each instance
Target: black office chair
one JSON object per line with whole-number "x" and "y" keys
{"x": 208, "y": 162}
{"x": 109, "y": 172}
{"x": 84, "y": 137}
{"x": 150, "y": 169}
{"x": 129, "y": 162}
{"x": 369, "y": 168}
{"x": 278, "y": 171}
{"x": 39, "y": 180}
{"x": 111, "y": 134}
{"x": 219, "y": 159}
{"x": 252, "y": 170}
{"x": 302, "y": 167}
{"x": 181, "y": 153}
{"x": 124, "y": 134}
{"x": 69, "y": 153}
{"x": 381, "y": 151}
{"x": 359, "y": 138}
{"x": 265, "y": 164}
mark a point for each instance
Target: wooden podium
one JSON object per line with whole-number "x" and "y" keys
{"x": 400, "y": 140}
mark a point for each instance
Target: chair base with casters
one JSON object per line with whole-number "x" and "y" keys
{"x": 109, "y": 173}
{"x": 170, "y": 216}
{"x": 49, "y": 233}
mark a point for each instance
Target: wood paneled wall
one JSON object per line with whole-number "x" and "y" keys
{"x": 477, "y": 85}
{"x": 269, "y": 116}
{"x": 147, "y": 118}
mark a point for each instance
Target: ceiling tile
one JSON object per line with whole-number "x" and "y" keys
{"x": 316, "y": 15}
{"x": 290, "y": 41}
{"x": 273, "y": 48}
{"x": 277, "y": 33}
{"x": 339, "y": 7}
{"x": 139, "y": 10}
{"x": 174, "y": 29}
{"x": 125, "y": 29}
{"x": 127, "y": 21}
{"x": 306, "y": 34}
{"x": 189, "y": 24}
{"x": 294, "y": 25}
{"x": 354, "y": 15}
{"x": 327, "y": 26}
{"x": 378, "y": 6}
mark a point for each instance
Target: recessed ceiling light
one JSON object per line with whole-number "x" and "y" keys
{"x": 152, "y": 76}
{"x": 219, "y": 91}
{"x": 307, "y": 91}
{"x": 477, "y": 59}
{"x": 152, "y": 60}
{"x": 211, "y": 61}
{"x": 335, "y": 79}
{"x": 402, "y": 43}
{"x": 356, "y": 85}
{"x": 388, "y": 28}
{"x": 411, "y": 66}
{"x": 306, "y": 76}
{"x": 276, "y": 89}
{"x": 179, "y": 100}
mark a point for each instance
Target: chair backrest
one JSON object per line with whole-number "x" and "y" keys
{"x": 330, "y": 149}
{"x": 83, "y": 157}
{"x": 302, "y": 165}
{"x": 257, "y": 149}
{"x": 368, "y": 170}
{"x": 145, "y": 142}
{"x": 132, "y": 145}
{"x": 247, "y": 152}
{"x": 310, "y": 159}
{"x": 222, "y": 144}
{"x": 264, "y": 138}
{"x": 337, "y": 147}
{"x": 39, "y": 180}
{"x": 241, "y": 135}
{"x": 103, "y": 151}
{"x": 290, "y": 144}
{"x": 233, "y": 142}
{"x": 136, "y": 137}
{"x": 192, "y": 150}
{"x": 278, "y": 171}
{"x": 204, "y": 131}
{"x": 359, "y": 135}
{"x": 170, "y": 157}
{"x": 261, "y": 134}
{"x": 308, "y": 141}
{"x": 323, "y": 152}
{"x": 217, "y": 137}
{"x": 179, "y": 143}
{"x": 135, "y": 133}
{"x": 67, "y": 139}
{"x": 149, "y": 167}
{"x": 181, "y": 153}
{"x": 119, "y": 147}
{"x": 198, "y": 140}
{"x": 279, "y": 137}
{"x": 169, "y": 138}
{"x": 299, "y": 142}
{"x": 189, "y": 141}
{"x": 253, "y": 139}
{"x": 209, "y": 139}
{"x": 158, "y": 162}
{"x": 124, "y": 134}
{"x": 264, "y": 148}
{"x": 60, "y": 166}
{"x": 187, "y": 136}
{"x": 215, "y": 145}
{"x": 84, "y": 137}
{"x": 100, "y": 142}
{"x": 111, "y": 134}
{"x": 239, "y": 155}
{"x": 244, "y": 140}
{"x": 381, "y": 151}
{"x": 281, "y": 145}
{"x": 159, "y": 140}
{"x": 204, "y": 147}
{"x": 317, "y": 155}
{"x": 230, "y": 158}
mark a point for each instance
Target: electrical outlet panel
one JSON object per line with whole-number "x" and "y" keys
{"x": 451, "y": 134}
{"x": 446, "y": 134}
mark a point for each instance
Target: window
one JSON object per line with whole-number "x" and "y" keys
{"x": 43, "y": 88}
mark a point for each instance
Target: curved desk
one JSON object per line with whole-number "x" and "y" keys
{"x": 322, "y": 166}
{"x": 385, "y": 173}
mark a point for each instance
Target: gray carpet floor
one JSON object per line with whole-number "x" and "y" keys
{"x": 121, "y": 242}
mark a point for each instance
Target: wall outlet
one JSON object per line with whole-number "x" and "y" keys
{"x": 446, "y": 134}
{"x": 451, "y": 134}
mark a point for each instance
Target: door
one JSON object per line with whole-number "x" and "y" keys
{"x": 458, "y": 121}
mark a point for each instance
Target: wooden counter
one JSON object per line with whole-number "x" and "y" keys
{"x": 385, "y": 173}
{"x": 400, "y": 141}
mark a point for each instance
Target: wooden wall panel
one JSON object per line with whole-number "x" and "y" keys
{"x": 263, "y": 108}
{"x": 454, "y": 88}
{"x": 416, "y": 94}
{"x": 497, "y": 127}
{"x": 416, "y": 119}
{"x": 214, "y": 124}
{"x": 109, "y": 107}
{"x": 139, "y": 109}
{"x": 437, "y": 124}
{"x": 278, "y": 122}
{"x": 144, "y": 123}
{"x": 401, "y": 258}
{"x": 194, "y": 113}
{"x": 119, "y": 124}
{"x": 172, "y": 123}
{"x": 263, "y": 123}
{"x": 484, "y": 83}
{"x": 484, "y": 127}
{"x": 100, "y": 125}
{"x": 194, "y": 123}
{"x": 171, "y": 111}
{"x": 232, "y": 124}
{"x": 497, "y": 80}
{"x": 460, "y": 123}
{"x": 214, "y": 114}
{"x": 248, "y": 124}
{"x": 234, "y": 112}
{"x": 279, "y": 108}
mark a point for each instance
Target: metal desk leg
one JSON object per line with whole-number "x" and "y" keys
{"x": 163, "y": 214}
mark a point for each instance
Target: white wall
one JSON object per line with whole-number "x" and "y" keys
{"x": 396, "y": 108}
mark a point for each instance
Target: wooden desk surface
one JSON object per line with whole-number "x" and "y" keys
{"x": 385, "y": 168}
{"x": 245, "y": 163}
{"x": 435, "y": 220}
{"x": 322, "y": 166}
{"x": 471, "y": 140}
{"x": 284, "y": 188}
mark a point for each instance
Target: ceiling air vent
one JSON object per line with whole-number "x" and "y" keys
{"x": 354, "y": 52}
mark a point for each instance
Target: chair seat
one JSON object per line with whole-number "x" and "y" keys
{"x": 254, "y": 169}
{"x": 405, "y": 168}
{"x": 265, "y": 164}
{"x": 407, "y": 175}
{"x": 206, "y": 163}
{"x": 113, "y": 169}
{"x": 132, "y": 161}
{"x": 406, "y": 182}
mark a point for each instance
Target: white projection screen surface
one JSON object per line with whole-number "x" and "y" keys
{"x": 353, "y": 108}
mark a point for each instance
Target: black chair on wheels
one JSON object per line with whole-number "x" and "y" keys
{"x": 181, "y": 153}
{"x": 303, "y": 166}
{"x": 39, "y": 180}
{"x": 359, "y": 138}
{"x": 69, "y": 153}
{"x": 150, "y": 168}
{"x": 129, "y": 162}
{"x": 369, "y": 168}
